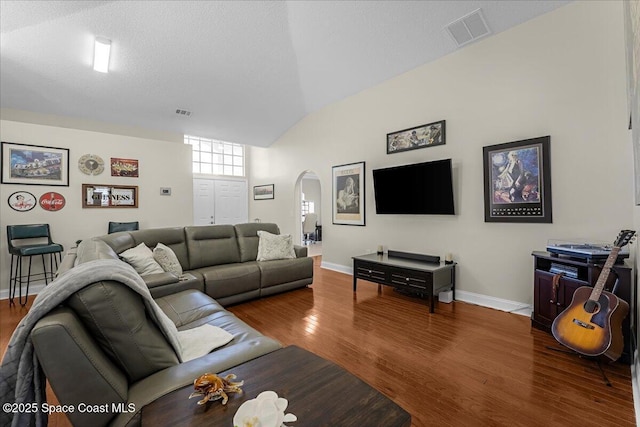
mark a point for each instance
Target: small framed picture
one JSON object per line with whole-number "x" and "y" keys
{"x": 124, "y": 167}
{"x": 109, "y": 196}
{"x": 263, "y": 192}
{"x": 22, "y": 201}
{"x": 517, "y": 181}
{"x": 348, "y": 194}
{"x": 422, "y": 136}
{"x": 34, "y": 165}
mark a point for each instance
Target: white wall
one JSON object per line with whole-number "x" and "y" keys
{"x": 162, "y": 164}
{"x": 562, "y": 74}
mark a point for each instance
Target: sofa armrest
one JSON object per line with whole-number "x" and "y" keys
{"x": 301, "y": 251}
{"x": 159, "y": 279}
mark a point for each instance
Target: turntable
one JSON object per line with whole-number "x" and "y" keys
{"x": 585, "y": 250}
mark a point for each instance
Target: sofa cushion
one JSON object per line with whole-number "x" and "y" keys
{"x": 141, "y": 259}
{"x": 119, "y": 242}
{"x": 274, "y": 246}
{"x": 231, "y": 279}
{"x": 211, "y": 245}
{"x": 188, "y": 306}
{"x": 278, "y": 272}
{"x": 167, "y": 259}
{"x": 172, "y": 237}
{"x": 248, "y": 238}
{"x": 116, "y": 317}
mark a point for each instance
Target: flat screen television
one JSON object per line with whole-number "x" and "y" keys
{"x": 418, "y": 189}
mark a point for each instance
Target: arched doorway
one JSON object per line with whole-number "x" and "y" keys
{"x": 308, "y": 199}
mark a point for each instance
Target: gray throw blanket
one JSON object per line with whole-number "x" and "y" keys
{"x": 20, "y": 376}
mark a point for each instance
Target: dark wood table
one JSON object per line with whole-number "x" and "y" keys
{"x": 320, "y": 393}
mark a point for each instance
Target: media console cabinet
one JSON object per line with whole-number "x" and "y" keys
{"x": 414, "y": 273}
{"x": 551, "y": 297}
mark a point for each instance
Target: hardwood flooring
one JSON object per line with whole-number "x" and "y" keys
{"x": 463, "y": 365}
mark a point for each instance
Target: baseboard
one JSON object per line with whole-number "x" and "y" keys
{"x": 33, "y": 290}
{"x": 509, "y": 306}
{"x": 493, "y": 302}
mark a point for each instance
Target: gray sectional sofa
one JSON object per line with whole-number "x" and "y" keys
{"x": 101, "y": 346}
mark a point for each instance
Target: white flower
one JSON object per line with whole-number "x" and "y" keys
{"x": 266, "y": 410}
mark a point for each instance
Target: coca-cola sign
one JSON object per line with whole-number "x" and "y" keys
{"x": 52, "y": 201}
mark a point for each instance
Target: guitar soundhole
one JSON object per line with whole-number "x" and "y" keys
{"x": 590, "y": 306}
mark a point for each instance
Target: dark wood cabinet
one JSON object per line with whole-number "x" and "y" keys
{"x": 413, "y": 273}
{"x": 550, "y": 300}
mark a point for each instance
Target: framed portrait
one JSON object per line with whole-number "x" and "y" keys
{"x": 34, "y": 165}
{"x": 124, "y": 167}
{"x": 22, "y": 201}
{"x": 422, "y": 136}
{"x": 109, "y": 196}
{"x": 348, "y": 194}
{"x": 263, "y": 192}
{"x": 517, "y": 181}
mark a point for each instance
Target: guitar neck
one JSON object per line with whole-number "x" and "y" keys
{"x": 604, "y": 274}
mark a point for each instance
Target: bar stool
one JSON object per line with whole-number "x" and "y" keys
{"x": 28, "y": 241}
{"x": 115, "y": 227}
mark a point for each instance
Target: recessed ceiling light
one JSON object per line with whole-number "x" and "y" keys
{"x": 101, "y": 55}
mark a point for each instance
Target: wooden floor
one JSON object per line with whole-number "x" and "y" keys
{"x": 463, "y": 365}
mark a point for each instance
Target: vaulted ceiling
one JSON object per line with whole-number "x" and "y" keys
{"x": 247, "y": 70}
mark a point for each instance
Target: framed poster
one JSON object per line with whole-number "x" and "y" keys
{"x": 34, "y": 164}
{"x": 517, "y": 181}
{"x": 109, "y": 196}
{"x": 22, "y": 201}
{"x": 422, "y": 136}
{"x": 263, "y": 192}
{"x": 348, "y": 194}
{"x": 124, "y": 167}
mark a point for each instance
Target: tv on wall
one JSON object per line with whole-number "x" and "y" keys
{"x": 416, "y": 189}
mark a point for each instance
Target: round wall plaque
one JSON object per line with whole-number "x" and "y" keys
{"x": 52, "y": 201}
{"x": 91, "y": 164}
{"x": 22, "y": 201}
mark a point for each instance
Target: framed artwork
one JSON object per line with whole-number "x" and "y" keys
{"x": 348, "y": 194}
{"x": 22, "y": 201}
{"x": 517, "y": 181}
{"x": 109, "y": 196}
{"x": 263, "y": 192}
{"x": 124, "y": 167}
{"x": 34, "y": 165}
{"x": 422, "y": 136}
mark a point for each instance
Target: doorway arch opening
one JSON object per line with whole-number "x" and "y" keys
{"x": 308, "y": 199}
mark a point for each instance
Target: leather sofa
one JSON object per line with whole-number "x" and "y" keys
{"x": 101, "y": 350}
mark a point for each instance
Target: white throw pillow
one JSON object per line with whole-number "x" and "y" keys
{"x": 167, "y": 259}
{"x": 274, "y": 246}
{"x": 141, "y": 259}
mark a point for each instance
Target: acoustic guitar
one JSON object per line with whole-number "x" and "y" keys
{"x": 592, "y": 324}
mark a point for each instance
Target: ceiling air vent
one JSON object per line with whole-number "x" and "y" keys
{"x": 469, "y": 28}
{"x": 184, "y": 113}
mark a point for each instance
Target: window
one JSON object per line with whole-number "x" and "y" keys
{"x": 213, "y": 157}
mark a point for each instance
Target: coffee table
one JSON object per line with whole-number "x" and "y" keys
{"x": 320, "y": 393}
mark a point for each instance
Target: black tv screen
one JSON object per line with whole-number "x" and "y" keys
{"x": 419, "y": 189}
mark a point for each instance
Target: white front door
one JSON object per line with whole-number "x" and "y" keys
{"x": 231, "y": 202}
{"x": 203, "y": 202}
{"x": 219, "y": 201}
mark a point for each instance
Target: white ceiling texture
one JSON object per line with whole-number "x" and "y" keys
{"x": 247, "y": 70}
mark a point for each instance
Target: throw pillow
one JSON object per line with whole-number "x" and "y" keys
{"x": 274, "y": 246}
{"x": 167, "y": 259}
{"x": 141, "y": 259}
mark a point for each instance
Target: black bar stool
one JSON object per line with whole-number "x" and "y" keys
{"x": 28, "y": 241}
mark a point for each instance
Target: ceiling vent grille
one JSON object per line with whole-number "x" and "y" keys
{"x": 184, "y": 113}
{"x": 469, "y": 28}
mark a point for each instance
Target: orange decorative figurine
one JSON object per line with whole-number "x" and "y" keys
{"x": 212, "y": 387}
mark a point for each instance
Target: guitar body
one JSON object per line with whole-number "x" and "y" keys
{"x": 592, "y": 331}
